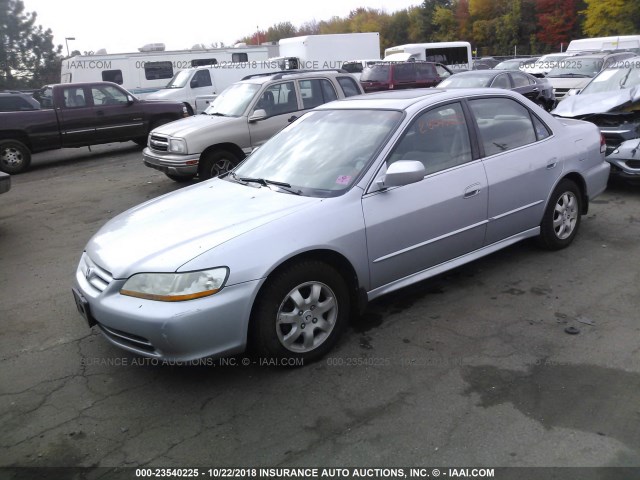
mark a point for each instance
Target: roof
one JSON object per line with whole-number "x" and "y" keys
{"x": 404, "y": 99}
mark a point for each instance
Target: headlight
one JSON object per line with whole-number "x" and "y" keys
{"x": 175, "y": 287}
{"x": 177, "y": 145}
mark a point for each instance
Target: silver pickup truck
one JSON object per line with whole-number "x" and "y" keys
{"x": 242, "y": 117}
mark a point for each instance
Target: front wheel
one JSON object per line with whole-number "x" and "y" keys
{"x": 301, "y": 312}
{"x": 215, "y": 163}
{"x": 15, "y": 157}
{"x": 561, "y": 219}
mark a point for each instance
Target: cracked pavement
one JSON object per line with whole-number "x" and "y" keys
{"x": 471, "y": 368}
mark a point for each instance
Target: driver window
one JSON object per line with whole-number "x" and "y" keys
{"x": 278, "y": 99}
{"x": 107, "y": 95}
{"x": 438, "y": 138}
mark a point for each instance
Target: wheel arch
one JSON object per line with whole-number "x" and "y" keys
{"x": 331, "y": 257}
{"x": 232, "y": 147}
{"x": 16, "y": 135}
{"x": 578, "y": 179}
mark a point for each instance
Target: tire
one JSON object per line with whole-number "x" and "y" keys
{"x": 561, "y": 219}
{"x": 189, "y": 109}
{"x": 215, "y": 163}
{"x": 15, "y": 157}
{"x": 301, "y": 312}
{"x": 179, "y": 178}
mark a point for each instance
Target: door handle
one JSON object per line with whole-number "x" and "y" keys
{"x": 293, "y": 118}
{"x": 552, "y": 163}
{"x": 472, "y": 190}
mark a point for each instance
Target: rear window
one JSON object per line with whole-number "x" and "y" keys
{"x": 349, "y": 86}
{"x": 375, "y": 73}
{"x": 405, "y": 72}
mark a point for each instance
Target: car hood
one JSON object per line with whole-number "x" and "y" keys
{"x": 186, "y": 126}
{"x": 577, "y": 105}
{"x": 568, "y": 82}
{"x": 165, "y": 94}
{"x": 165, "y": 233}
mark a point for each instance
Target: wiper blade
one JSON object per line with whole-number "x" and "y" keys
{"x": 570, "y": 75}
{"x": 217, "y": 114}
{"x": 264, "y": 182}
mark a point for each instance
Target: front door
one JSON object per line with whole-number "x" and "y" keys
{"x": 116, "y": 119}
{"x": 418, "y": 226}
{"x": 280, "y": 102}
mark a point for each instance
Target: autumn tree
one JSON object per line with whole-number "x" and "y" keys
{"x": 28, "y": 57}
{"x": 611, "y": 17}
{"x": 556, "y": 21}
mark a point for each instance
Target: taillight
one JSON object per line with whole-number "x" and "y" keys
{"x": 603, "y": 144}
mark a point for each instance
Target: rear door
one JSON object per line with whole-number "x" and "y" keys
{"x": 77, "y": 118}
{"x": 522, "y": 162}
{"x": 523, "y": 86}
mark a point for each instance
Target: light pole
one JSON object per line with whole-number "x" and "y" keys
{"x": 66, "y": 41}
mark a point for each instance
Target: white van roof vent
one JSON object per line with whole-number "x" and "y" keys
{"x": 152, "y": 47}
{"x": 102, "y": 51}
{"x": 240, "y": 45}
{"x": 199, "y": 46}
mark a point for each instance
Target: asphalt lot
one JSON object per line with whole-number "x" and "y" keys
{"x": 472, "y": 368}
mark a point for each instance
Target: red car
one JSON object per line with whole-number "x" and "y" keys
{"x": 397, "y": 75}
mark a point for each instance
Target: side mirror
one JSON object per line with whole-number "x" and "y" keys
{"x": 130, "y": 100}
{"x": 194, "y": 83}
{"x": 402, "y": 172}
{"x": 259, "y": 114}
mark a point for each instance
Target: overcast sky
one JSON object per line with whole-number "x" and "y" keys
{"x": 125, "y": 25}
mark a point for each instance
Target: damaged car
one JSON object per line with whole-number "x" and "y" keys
{"x": 612, "y": 101}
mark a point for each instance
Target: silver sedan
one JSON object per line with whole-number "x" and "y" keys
{"x": 356, "y": 199}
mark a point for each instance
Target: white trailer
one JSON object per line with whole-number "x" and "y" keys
{"x": 147, "y": 71}
{"x": 456, "y": 55}
{"x": 330, "y": 51}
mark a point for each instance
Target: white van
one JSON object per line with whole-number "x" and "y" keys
{"x": 198, "y": 87}
{"x": 455, "y": 55}
{"x": 597, "y": 44}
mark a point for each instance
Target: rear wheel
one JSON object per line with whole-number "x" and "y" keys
{"x": 15, "y": 157}
{"x": 301, "y": 312}
{"x": 215, "y": 163}
{"x": 562, "y": 217}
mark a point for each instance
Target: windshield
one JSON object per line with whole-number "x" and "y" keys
{"x": 233, "y": 101}
{"x": 375, "y": 73}
{"x": 466, "y": 81}
{"x": 353, "y": 67}
{"x": 179, "y": 80}
{"x": 322, "y": 153}
{"x": 577, "y": 67}
{"x": 614, "y": 79}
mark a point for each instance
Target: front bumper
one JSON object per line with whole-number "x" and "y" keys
{"x": 175, "y": 331}
{"x": 5, "y": 182}
{"x": 625, "y": 160}
{"x": 171, "y": 163}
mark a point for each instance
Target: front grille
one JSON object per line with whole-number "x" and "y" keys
{"x": 159, "y": 143}
{"x": 97, "y": 276}
{"x": 560, "y": 92}
{"x": 128, "y": 340}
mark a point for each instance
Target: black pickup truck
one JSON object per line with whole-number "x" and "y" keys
{"x": 78, "y": 115}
